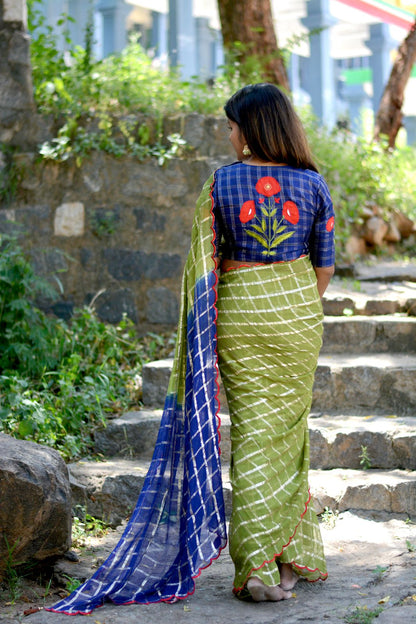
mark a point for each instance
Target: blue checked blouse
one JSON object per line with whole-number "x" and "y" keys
{"x": 267, "y": 213}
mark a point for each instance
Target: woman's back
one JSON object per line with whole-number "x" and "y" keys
{"x": 273, "y": 213}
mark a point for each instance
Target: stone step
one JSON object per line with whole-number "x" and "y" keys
{"x": 109, "y": 490}
{"x": 336, "y": 441}
{"x": 355, "y": 384}
{"x": 347, "y": 383}
{"x": 369, "y": 334}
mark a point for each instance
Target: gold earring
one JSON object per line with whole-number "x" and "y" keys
{"x": 246, "y": 150}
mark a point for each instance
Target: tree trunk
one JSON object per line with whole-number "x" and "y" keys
{"x": 250, "y": 23}
{"x": 389, "y": 116}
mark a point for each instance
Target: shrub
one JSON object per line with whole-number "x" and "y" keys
{"x": 58, "y": 380}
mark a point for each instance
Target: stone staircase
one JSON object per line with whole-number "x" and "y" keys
{"x": 362, "y": 424}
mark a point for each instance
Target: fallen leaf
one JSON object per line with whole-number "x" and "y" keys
{"x": 186, "y": 608}
{"x": 356, "y": 586}
{"x": 362, "y": 594}
{"x": 384, "y": 600}
{"x": 32, "y": 610}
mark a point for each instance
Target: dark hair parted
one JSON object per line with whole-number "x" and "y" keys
{"x": 270, "y": 125}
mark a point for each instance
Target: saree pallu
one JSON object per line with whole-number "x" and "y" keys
{"x": 269, "y": 336}
{"x": 178, "y": 526}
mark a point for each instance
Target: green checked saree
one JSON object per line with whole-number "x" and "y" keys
{"x": 266, "y": 323}
{"x": 269, "y": 335}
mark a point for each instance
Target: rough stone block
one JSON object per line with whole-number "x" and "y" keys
{"x": 15, "y": 11}
{"x": 70, "y": 219}
{"x": 155, "y": 382}
{"x": 376, "y": 306}
{"x": 162, "y": 307}
{"x": 35, "y": 495}
{"x": 132, "y": 435}
{"x": 336, "y": 307}
{"x": 111, "y": 305}
{"x": 124, "y": 264}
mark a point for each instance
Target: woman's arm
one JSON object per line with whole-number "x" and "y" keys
{"x": 323, "y": 276}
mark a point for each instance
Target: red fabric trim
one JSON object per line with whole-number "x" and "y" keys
{"x": 383, "y": 14}
{"x": 215, "y": 259}
{"x": 323, "y": 576}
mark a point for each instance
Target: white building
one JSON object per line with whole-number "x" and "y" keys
{"x": 341, "y": 69}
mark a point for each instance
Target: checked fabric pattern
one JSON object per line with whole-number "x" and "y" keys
{"x": 269, "y": 335}
{"x": 178, "y": 525}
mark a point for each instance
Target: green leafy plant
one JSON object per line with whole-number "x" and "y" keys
{"x": 365, "y": 459}
{"x": 84, "y": 526}
{"x": 363, "y": 615}
{"x": 329, "y": 517}
{"x": 379, "y": 573}
{"x": 59, "y": 380}
{"x": 12, "y": 579}
{"x": 71, "y": 583}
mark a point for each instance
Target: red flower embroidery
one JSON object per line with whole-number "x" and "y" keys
{"x": 267, "y": 186}
{"x": 261, "y": 200}
{"x": 248, "y": 211}
{"x": 330, "y": 224}
{"x": 291, "y": 212}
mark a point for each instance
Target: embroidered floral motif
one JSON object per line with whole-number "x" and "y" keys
{"x": 248, "y": 211}
{"x": 266, "y": 229}
{"x": 330, "y": 224}
{"x": 267, "y": 186}
{"x": 291, "y": 212}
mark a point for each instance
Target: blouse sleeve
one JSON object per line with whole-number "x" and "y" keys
{"x": 322, "y": 244}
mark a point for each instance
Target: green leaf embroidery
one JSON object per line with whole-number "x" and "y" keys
{"x": 258, "y": 238}
{"x": 257, "y": 228}
{"x": 280, "y": 239}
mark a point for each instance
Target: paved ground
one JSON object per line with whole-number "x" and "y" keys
{"x": 372, "y": 567}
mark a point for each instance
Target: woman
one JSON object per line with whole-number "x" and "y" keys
{"x": 265, "y": 224}
{"x": 275, "y": 219}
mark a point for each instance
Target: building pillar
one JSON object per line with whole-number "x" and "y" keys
{"x": 357, "y": 100}
{"x": 204, "y": 48}
{"x": 409, "y": 123}
{"x": 381, "y": 44}
{"x": 182, "y": 37}
{"x": 158, "y": 41}
{"x": 114, "y": 14}
{"x": 321, "y": 74}
{"x": 82, "y": 12}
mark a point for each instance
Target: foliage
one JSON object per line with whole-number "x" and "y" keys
{"x": 362, "y": 177}
{"x": 363, "y": 615}
{"x": 85, "y": 526}
{"x": 329, "y": 517}
{"x": 58, "y": 380}
{"x": 365, "y": 459}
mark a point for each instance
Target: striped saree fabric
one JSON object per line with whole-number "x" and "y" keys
{"x": 269, "y": 335}
{"x": 178, "y": 525}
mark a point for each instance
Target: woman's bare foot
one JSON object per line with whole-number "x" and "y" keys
{"x": 288, "y": 578}
{"x": 261, "y": 592}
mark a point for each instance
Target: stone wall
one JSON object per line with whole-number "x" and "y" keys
{"x": 16, "y": 98}
{"x": 115, "y": 229}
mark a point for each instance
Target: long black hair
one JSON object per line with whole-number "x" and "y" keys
{"x": 270, "y": 125}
